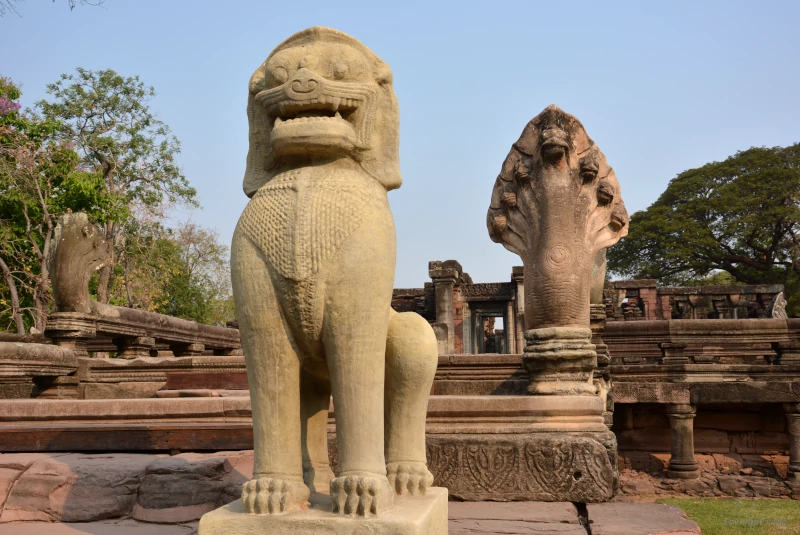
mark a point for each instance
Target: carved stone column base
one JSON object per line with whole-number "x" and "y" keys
{"x": 560, "y": 361}
{"x": 678, "y": 471}
{"x": 71, "y": 330}
{"x": 410, "y": 515}
{"x": 134, "y": 347}
{"x": 551, "y": 467}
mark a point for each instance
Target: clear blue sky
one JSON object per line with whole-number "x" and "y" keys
{"x": 661, "y": 87}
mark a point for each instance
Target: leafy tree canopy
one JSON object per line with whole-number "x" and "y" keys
{"x": 107, "y": 118}
{"x": 740, "y": 216}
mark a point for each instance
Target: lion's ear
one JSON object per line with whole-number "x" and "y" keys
{"x": 383, "y": 74}
{"x": 382, "y": 161}
{"x": 259, "y": 155}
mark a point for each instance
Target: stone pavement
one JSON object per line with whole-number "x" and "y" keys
{"x": 466, "y": 518}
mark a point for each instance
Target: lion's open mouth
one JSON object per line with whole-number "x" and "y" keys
{"x": 314, "y": 110}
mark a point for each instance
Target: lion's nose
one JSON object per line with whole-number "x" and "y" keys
{"x": 304, "y": 85}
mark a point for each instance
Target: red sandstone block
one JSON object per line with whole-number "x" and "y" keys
{"x": 643, "y": 461}
{"x": 644, "y": 440}
{"x": 647, "y": 417}
{"x": 759, "y": 443}
{"x": 711, "y": 441}
{"x": 728, "y": 421}
{"x": 705, "y": 462}
{"x": 728, "y": 463}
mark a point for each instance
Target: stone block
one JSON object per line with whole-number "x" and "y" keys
{"x": 730, "y": 484}
{"x": 758, "y": 463}
{"x": 781, "y": 464}
{"x": 419, "y": 515}
{"x": 650, "y": 417}
{"x": 76, "y": 488}
{"x": 759, "y": 443}
{"x": 560, "y": 512}
{"x": 728, "y": 421}
{"x": 575, "y": 467}
{"x": 638, "y": 487}
{"x": 21, "y": 461}
{"x": 728, "y": 463}
{"x": 711, "y": 441}
{"x": 773, "y": 421}
{"x": 7, "y": 478}
{"x": 621, "y": 518}
{"x": 128, "y": 390}
{"x": 643, "y": 461}
{"x": 705, "y": 462}
{"x": 105, "y": 527}
{"x": 186, "y": 486}
{"x": 645, "y": 440}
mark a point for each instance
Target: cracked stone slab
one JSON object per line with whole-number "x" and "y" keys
{"x": 628, "y": 518}
{"x": 76, "y": 488}
{"x": 512, "y": 518}
{"x": 108, "y": 527}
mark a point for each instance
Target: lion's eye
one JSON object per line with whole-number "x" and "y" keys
{"x": 340, "y": 70}
{"x": 280, "y": 74}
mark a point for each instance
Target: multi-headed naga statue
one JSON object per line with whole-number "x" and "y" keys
{"x": 557, "y": 204}
{"x": 313, "y": 260}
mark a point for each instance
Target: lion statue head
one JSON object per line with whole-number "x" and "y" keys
{"x": 322, "y": 94}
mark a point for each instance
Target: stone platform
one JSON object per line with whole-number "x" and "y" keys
{"x": 465, "y": 518}
{"x": 420, "y": 515}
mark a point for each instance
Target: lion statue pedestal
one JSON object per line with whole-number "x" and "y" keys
{"x": 312, "y": 261}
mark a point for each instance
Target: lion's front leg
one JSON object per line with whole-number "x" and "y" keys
{"x": 273, "y": 373}
{"x": 359, "y": 291}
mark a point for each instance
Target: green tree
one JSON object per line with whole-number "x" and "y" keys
{"x": 182, "y": 272}
{"x": 108, "y": 120}
{"x": 740, "y": 216}
{"x": 38, "y": 182}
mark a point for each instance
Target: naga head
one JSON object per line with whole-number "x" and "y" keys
{"x": 78, "y": 249}
{"x": 322, "y": 95}
{"x": 557, "y": 204}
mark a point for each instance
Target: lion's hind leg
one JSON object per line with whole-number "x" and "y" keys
{"x": 411, "y": 358}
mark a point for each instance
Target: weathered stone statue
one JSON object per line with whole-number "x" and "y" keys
{"x": 556, "y": 203}
{"x": 313, "y": 260}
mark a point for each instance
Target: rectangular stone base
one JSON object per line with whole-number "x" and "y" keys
{"x": 420, "y": 515}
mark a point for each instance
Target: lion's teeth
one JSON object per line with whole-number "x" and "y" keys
{"x": 335, "y": 101}
{"x": 278, "y": 121}
{"x": 338, "y": 115}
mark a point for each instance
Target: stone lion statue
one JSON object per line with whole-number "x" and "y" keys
{"x": 313, "y": 260}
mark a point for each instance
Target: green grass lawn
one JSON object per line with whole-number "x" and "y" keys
{"x": 729, "y": 516}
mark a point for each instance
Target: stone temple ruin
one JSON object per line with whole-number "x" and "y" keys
{"x": 586, "y": 383}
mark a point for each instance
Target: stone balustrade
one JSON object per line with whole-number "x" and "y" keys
{"x": 645, "y": 300}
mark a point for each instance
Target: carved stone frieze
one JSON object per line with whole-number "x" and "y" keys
{"x": 578, "y": 467}
{"x": 490, "y": 291}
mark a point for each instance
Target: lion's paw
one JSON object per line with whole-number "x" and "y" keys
{"x": 269, "y": 495}
{"x": 361, "y": 493}
{"x": 409, "y": 478}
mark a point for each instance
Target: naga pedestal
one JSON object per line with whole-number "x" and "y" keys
{"x": 417, "y": 515}
{"x": 522, "y": 448}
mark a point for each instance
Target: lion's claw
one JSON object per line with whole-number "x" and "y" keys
{"x": 409, "y": 478}
{"x": 268, "y": 495}
{"x": 361, "y": 494}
